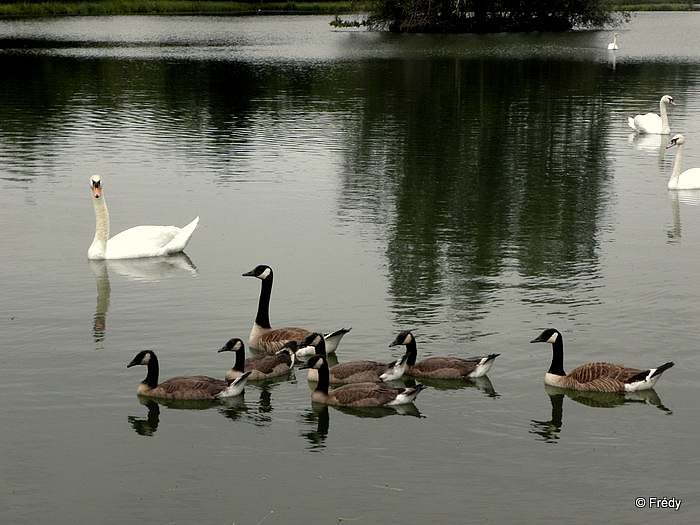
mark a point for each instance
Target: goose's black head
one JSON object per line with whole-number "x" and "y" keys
{"x": 315, "y": 340}
{"x": 142, "y": 358}
{"x": 316, "y": 361}
{"x": 550, "y": 335}
{"x": 292, "y": 346}
{"x": 232, "y": 345}
{"x": 261, "y": 271}
{"x": 404, "y": 338}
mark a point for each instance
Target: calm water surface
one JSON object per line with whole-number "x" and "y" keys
{"x": 474, "y": 189}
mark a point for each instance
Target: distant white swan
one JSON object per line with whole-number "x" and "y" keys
{"x": 651, "y": 122}
{"x": 140, "y": 241}
{"x": 613, "y": 45}
{"x": 689, "y": 179}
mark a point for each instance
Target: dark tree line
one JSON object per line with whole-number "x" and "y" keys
{"x": 484, "y": 16}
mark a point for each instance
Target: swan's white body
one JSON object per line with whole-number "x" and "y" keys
{"x": 651, "y": 122}
{"x": 689, "y": 179}
{"x": 140, "y": 241}
{"x": 613, "y": 45}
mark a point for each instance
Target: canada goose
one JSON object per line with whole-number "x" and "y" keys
{"x": 262, "y": 336}
{"x": 354, "y": 371}
{"x": 182, "y": 387}
{"x": 136, "y": 242}
{"x": 261, "y": 366}
{"x": 357, "y": 394}
{"x": 442, "y": 367}
{"x": 597, "y": 377}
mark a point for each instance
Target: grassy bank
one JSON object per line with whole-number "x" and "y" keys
{"x": 173, "y": 7}
{"x": 204, "y": 7}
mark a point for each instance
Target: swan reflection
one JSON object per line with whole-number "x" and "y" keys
{"x": 147, "y": 270}
{"x": 548, "y": 431}
{"x": 678, "y": 197}
{"x": 649, "y": 143}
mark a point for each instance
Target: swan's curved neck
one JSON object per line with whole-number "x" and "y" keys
{"x": 99, "y": 243}
{"x": 262, "y": 318}
{"x": 675, "y": 175}
{"x": 557, "y": 366}
{"x": 665, "y": 128}
{"x": 153, "y": 369}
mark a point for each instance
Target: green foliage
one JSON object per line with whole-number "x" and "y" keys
{"x": 492, "y": 16}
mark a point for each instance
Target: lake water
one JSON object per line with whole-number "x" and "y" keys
{"x": 474, "y": 189}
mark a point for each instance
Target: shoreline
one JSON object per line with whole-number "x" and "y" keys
{"x": 175, "y": 8}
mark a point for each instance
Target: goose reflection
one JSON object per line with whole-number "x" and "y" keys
{"x": 146, "y": 270}
{"x": 149, "y": 425}
{"x": 482, "y": 384}
{"x": 678, "y": 197}
{"x": 549, "y": 430}
{"x": 146, "y": 426}
{"x": 315, "y": 421}
{"x": 260, "y": 413}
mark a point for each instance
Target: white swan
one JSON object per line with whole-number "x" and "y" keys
{"x": 613, "y": 45}
{"x": 651, "y": 122}
{"x": 689, "y": 179}
{"x": 140, "y": 241}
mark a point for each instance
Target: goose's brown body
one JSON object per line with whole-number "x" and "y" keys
{"x": 441, "y": 367}
{"x": 181, "y": 387}
{"x": 357, "y": 394}
{"x": 353, "y": 371}
{"x": 597, "y": 376}
{"x": 266, "y": 339}
{"x": 263, "y": 366}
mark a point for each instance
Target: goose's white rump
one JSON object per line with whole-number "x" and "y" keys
{"x": 136, "y": 242}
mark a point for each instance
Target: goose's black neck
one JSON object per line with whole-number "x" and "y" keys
{"x": 262, "y": 318}
{"x": 412, "y": 350}
{"x": 557, "y": 366}
{"x": 321, "y": 348}
{"x": 153, "y": 369}
{"x": 324, "y": 377}
{"x": 239, "y": 365}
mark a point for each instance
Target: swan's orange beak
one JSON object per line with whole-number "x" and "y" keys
{"x": 96, "y": 190}
{"x": 672, "y": 102}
